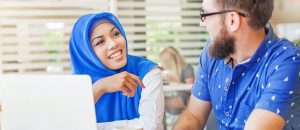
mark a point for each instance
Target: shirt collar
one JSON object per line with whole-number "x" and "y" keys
{"x": 260, "y": 52}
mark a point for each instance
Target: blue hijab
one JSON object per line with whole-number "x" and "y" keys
{"x": 111, "y": 106}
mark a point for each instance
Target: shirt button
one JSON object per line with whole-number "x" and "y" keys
{"x": 226, "y": 89}
{"x": 226, "y": 113}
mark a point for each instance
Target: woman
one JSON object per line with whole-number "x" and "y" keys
{"x": 175, "y": 70}
{"x": 127, "y": 89}
{"x": 175, "y": 67}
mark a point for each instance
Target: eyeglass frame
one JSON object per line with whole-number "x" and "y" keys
{"x": 204, "y": 15}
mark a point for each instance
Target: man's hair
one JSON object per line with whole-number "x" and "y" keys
{"x": 258, "y": 12}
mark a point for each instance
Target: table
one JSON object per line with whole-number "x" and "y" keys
{"x": 177, "y": 87}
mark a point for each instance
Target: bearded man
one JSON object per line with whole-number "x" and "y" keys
{"x": 247, "y": 75}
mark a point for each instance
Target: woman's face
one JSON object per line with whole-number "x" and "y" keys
{"x": 109, "y": 45}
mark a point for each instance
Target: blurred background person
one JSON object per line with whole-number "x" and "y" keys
{"x": 175, "y": 70}
{"x": 175, "y": 67}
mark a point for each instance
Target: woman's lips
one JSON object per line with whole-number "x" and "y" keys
{"x": 115, "y": 54}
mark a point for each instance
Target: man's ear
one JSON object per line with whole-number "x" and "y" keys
{"x": 234, "y": 21}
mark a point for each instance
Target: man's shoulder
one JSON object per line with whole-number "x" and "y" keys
{"x": 281, "y": 53}
{"x": 283, "y": 48}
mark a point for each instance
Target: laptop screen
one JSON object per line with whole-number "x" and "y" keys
{"x": 47, "y": 102}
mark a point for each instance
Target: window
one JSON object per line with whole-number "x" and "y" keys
{"x": 34, "y": 35}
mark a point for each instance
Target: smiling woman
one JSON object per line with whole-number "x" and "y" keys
{"x": 104, "y": 38}
{"x": 127, "y": 89}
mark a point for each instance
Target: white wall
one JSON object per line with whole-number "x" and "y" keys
{"x": 290, "y": 31}
{"x": 286, "y": 11}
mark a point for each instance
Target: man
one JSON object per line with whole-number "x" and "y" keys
{"x": 248, "y": 76}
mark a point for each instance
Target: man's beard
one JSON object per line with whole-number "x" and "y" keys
{"x": 222, "y": 45}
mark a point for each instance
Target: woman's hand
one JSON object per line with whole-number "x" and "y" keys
{"x": 124, "y": 81}
{"x": 168, "y": 76}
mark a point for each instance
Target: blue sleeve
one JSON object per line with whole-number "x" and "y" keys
{"x": 200, "y": 88}
{"x": 282, "y": 91}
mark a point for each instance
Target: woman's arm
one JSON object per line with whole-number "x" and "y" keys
{"x": 189, "y": 80}
{"x": 168, "y": 76}
{"x": 124, "y": 81}
{"x": 152, "y": 101}
{"x": 188, "y": 74}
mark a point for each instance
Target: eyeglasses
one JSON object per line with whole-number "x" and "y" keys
{"x": 203, "y": 14}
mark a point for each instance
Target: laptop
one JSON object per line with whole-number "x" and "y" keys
{"x": 47, "y": 102}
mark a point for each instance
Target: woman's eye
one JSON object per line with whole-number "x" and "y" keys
{"x": 99, "y": 42}
{"x": 116, "y": 34}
